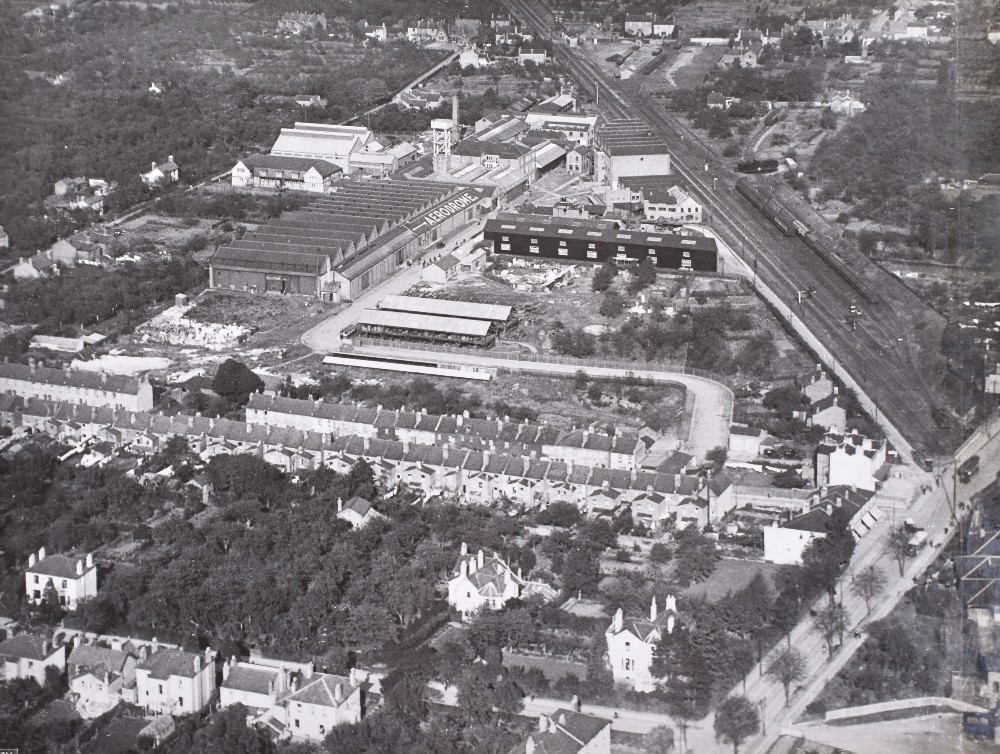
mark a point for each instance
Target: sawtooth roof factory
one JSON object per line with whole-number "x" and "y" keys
{"x": 349, "y": 240}
{"x": 596, "y": 241}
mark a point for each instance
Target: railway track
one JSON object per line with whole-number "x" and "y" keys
{"x": 877, "y": 351}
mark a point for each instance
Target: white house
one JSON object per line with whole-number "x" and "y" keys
{"x": 851, "y": 460}
{"x": 165, "y": 172}
{"x": 480, "y": 581}
{"x": 568, "y": 732}
{"x": 828, "y": 412}
{"x": 842, "y": 103}
{"x": 473, "y": 59}
{"x": 72, "y": 579}
{"x": 358, "y": 512}
{"x": 745, "y": 442}
{"x": 816, "y": 384}
{"x": 441, "y": 271}
{"x": 308, "y": 712}
{"x": 97, "y": 676}
{"x": 487, "y": 581}
{"x": 786, "y": 541}
{"x": 632, "y": 641}
{"x": 672, "y": 204}
{"x": 529, "y": 54}
{"x": 295, "y": 173}
{"x": 173, "y": 681}
{"x": 29, "y": 656}
{"x": 256, "y": 687}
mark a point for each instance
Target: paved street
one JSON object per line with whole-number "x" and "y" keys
{"x": 325, "y": 337}
{"x": 713, "y": 405}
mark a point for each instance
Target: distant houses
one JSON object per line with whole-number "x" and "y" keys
{"x": 162, "y": 173}
{"x": 302, "y": 23}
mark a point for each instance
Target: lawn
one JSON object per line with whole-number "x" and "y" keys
{"x": 731, "y": 576}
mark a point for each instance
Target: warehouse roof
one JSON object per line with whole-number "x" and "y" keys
{"x": 445, "y": 308}
{"x": 593, "y": 230}
{"x": 270, "y": 162}
{"x": 426, "y": 322}
{"x": 629, "y": 136}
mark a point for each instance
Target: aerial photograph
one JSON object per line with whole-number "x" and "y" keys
{"x": 499, "y": 376}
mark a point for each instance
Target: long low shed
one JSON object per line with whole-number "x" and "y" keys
{"x": 597, "y": 241}
{"x": 447, "y": 308}
{"x": 377, "y": 323}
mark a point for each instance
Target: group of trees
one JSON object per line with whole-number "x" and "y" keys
{"x": 87, "y": 295}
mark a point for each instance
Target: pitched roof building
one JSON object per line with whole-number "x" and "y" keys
{"x": 568, "y": 732}
{"x": 632, "y": 641}
{"x": 488, "y": 581}
{"x": 71, "y": 579}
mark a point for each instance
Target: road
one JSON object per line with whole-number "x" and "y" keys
{"x": 325, "y": 337}
{"x": 713, "y": 401}
{"x": 884, "y": 352}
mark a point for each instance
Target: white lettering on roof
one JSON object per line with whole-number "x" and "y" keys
{"x": 448, "y": 209}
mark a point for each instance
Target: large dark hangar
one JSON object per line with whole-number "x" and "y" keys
{"x": 597, "y": 241}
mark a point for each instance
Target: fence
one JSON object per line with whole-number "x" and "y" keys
{"x": 918, "y": 704}
{"x": 629, "y": 367}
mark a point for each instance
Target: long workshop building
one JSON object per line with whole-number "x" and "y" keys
{"x": 347, "y": 241}
{"x": 596, "y": 241}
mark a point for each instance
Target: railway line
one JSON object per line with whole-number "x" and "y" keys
{"x": 876, "y": 349}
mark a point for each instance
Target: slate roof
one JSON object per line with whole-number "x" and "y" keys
{"x": 25, "y": 647}
{"x": 169, "y": 662}
{"x": 320, "y": 690}
{"x": 98, "y": 660}
{"x": 270, "y": 162}
{"x": 58, "y": 566}
{"x": 71, "y": 378}
{"x": 255, "y": 679}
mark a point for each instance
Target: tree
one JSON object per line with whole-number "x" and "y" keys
{"x": 899, "y": 546}
{"x": 826, "y": 558}
{"x": 787, "y": 667}
{"x": 717, "y": 456}
{"x": 604, "y": 276}
{"x": 234, "y": 381}
{"x": 735, "y": 721}
{"x": 830, "y": 621}
{"x": 660, "y": 740}
{"x": 612, "y": 305}
{"x": 696, "y": 556}
{"x": 643, "y": 276}
{"x": 869, "y": 583}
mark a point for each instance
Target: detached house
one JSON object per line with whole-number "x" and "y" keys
{"x": 165, "y": 172}
{"x": 173, "y": 681}
{"x": 29, "y": 656}
{"x": 358, "y": 512}
{"x": 487, "y": 581}
{"x": 851, "y": 460}
{"x": 632, "y": 641}
{"x": 97, "y": 676}
{"x": 72, "y": 579}
{"x": 785, "y": 542}
{"x": 308, "y": 712}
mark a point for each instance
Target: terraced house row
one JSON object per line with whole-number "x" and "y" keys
{"x": 622, "y": 450}
{"x": 468, "y": 475}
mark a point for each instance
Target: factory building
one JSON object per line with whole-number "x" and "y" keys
{"x": 347, "y": 241}
{"x": 596, "y": 241}
{"x": 497, "y": 314}
{"x": 627, "y": 148}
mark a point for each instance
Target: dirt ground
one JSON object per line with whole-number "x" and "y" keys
{"x": 684, "y": 68}
{"x": 932, "y": 734}
{"x": 164, "y": 230}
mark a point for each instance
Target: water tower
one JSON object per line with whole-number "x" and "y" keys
{"x": 442, "y": 130}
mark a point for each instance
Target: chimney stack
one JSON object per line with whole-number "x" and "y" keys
{"x": 652, "y": 610}
{"x": 463, "y": 568}
{"x": 671, "y": 603}
{"x": 465, "y": 549}
{"x": 90, "y": 560}
{"x": 340, "y": 504}
{"x": 41, "y": 553}
{"x": 618, "y": 621}
{"x": 543, "y": 723}
{"x": 79, "y": 568}
{"x": 456, "y": 130}
{"x": 31, "y": 560}
{"x": 338, "y": 693}
{"x": 480, "y": 559}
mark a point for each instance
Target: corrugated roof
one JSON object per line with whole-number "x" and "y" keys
{"x": 446, "y": 308}
{"x": 408, "y": 321}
